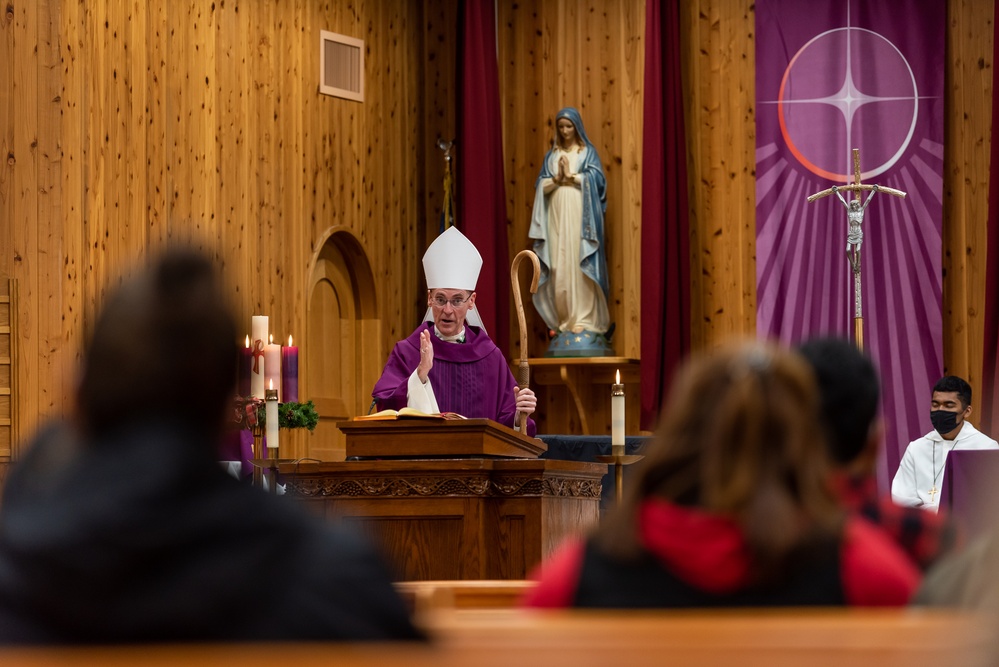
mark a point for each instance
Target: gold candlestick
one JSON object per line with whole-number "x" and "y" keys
{"x": 258, "y": 434}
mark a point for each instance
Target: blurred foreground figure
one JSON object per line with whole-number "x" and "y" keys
{"x": 849, "y": 388}
{"x": 120, "y": 526}
{"x": 731, "y": 506}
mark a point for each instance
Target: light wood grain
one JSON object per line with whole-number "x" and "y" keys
{"x": 201, "y": 123}
{"x": 125, "y": 126}
{"x": 7, "y": 128}
{"x": 718, "y": 74}
{"x": 968, "y": 136}
{"x": 23, "y": 225}
{"x": 495, "y": 638}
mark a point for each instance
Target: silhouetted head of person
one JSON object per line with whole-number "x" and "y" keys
{"x": 164, "y": 348}
{"x": 738, "y": 439}
{"x": 848, "y": 392}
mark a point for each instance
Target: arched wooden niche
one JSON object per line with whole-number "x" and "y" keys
{"x": 343, "y": 332}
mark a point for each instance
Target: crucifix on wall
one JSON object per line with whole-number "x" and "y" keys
{"x": 856, "y": 205}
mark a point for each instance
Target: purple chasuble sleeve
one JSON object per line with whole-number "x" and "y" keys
{"x": 470, "y": 378}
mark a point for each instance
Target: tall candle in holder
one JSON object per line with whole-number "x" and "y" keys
{"x": 271, "y": 413}
{"x": 617, "y": 416}
{"x": 289, "y": 373}
{"x": 272, "y": 366}
{"x": 258, "y": 338}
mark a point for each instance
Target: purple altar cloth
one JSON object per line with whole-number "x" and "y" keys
{"x": 971, "y": 490}
{"x": 238, "y": 446}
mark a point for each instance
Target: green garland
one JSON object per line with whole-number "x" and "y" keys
{"x": 297, "y": 415}
{"x": 248, "y": 410}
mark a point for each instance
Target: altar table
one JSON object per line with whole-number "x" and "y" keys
{"x": 462, "y": 518}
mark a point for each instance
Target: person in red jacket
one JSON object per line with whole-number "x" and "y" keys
{"x": 731, "y": 506}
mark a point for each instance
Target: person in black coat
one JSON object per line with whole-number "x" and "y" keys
{"x": 119, "y": 526}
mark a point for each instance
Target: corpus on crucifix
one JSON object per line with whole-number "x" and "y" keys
{"x": 855, "y": 232}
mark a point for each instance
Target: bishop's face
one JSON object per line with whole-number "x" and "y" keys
{"x": 449, "y": 307}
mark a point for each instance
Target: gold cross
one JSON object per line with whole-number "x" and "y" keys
{"x": 933, "y": 492}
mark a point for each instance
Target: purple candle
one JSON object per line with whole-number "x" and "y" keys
{"x": 289, "y": 373}
{"x": 245, "y": 368}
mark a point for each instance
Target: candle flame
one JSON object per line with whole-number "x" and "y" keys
{"x": 247, "y": 340}
{"x": 271, "y": 338}
{"x": 617, "y": 376}
{"x": 289, "y": 341}
{"x": 272, "y": 383}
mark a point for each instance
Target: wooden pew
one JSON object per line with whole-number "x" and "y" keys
{"x": 764, "y": 637}
{"x": 495, "y": 638}
{"x": 428, "y": 596}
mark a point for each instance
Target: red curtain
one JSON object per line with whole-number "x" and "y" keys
{"x": 481, "y": 196}
{"x": 665, "y": 237}
{"x": 989, "y": 401}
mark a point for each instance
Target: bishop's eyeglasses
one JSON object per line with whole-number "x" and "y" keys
{"x": 456, "y": 302}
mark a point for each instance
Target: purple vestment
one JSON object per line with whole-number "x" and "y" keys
{"x": 470, "y": 378}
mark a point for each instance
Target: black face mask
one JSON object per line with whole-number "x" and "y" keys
{"x": 944, "y": 421}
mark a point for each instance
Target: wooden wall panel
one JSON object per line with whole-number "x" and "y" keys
{"x": 201, "y": 122}
{"x": 8, "y": 372}
{"x": 157, "y": 123}
{"x": 70, "y": 277}
{"x": 125, "y": 126}
{"x": 439, "y": 62}
{"x": 970, "y": 29}
{"x": 231, "y": 134}
{"x": 23, "y": 224}
{"x": 56, "y": 295}
{"x": 588, "y": 55}
{"x": 7, "y": 126}
{"x": 718, "y": 74}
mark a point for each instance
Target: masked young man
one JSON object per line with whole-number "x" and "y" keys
{"x": 920, "y": 477}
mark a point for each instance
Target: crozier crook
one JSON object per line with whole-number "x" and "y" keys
{"x": 524, "y": 369}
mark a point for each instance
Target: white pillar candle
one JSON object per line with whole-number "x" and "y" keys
{"x": 258, "y": 339}
{"x": 271, "y": 408}
{"x": 617, "y": 416}
{"x": 272, "y": 367}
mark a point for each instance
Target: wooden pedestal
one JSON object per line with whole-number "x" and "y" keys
{"x": 455, "y": 518}
{"x": 574, "y": 393}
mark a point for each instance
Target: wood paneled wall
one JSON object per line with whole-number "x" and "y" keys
{"x": 125, "y": 126}
{"x": 968, "y": 140}
{"x": 719, "y": 75}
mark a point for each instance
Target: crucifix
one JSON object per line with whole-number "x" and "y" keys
{"x": 855, "y": 232}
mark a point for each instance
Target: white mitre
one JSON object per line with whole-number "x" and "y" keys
{"x": 452, "y": 262}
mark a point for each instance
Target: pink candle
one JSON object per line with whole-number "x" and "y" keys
{"x": 289, "y": 373}
{"x": 245, "y": 369}
{"x": 272, "y": 366}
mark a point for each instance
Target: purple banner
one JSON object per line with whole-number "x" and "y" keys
{"x": 832, "y": 76}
